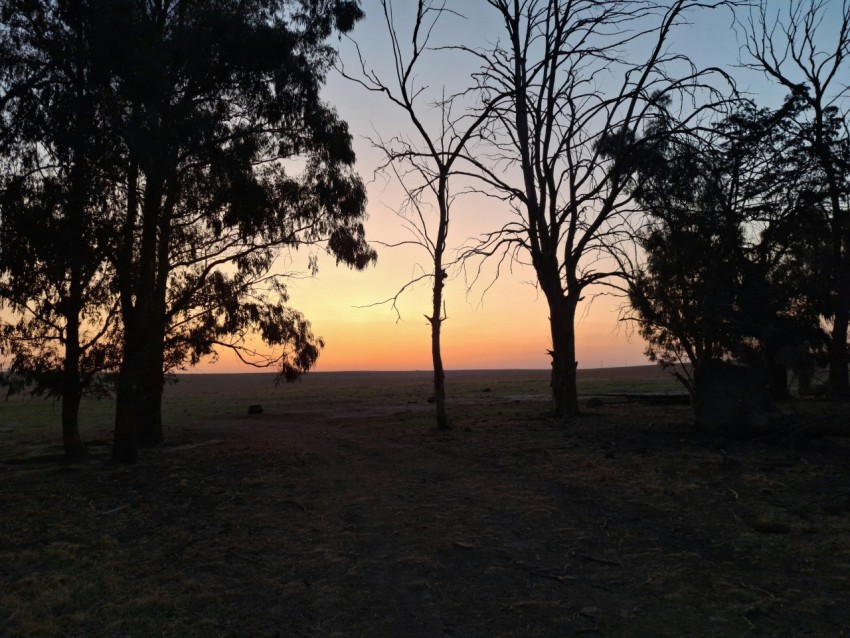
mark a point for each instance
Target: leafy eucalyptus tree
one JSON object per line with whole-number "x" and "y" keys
{"x": 727, "y": 270}
{"x": 804, "y": 46}
{"x": 216, "y": 154}
{"x": 213, "y": 100}
{"x": 54, "y": 278}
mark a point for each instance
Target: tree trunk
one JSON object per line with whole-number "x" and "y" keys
{"x": 73, "y": 306}
{"x": 562, "y": 311}
{"x": 149, "y": 399}
{"x": 125, "y": 437}
{"x": 152, "y": 372}
{"x": 443, "y": 422}
{"x": 138, "y": 415}
{"x": 77, "y": 243}
{"x": 138, "y": 419}
{"x": 72, "y": 391}
{"x": 436, "y": 320}
{"x": 838, "y": 359}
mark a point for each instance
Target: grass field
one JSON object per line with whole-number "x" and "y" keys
{"x": 339, "y": 511}
{"x": 195, "y": 397}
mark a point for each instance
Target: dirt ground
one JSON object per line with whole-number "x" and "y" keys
{"x": 339, "y": 511}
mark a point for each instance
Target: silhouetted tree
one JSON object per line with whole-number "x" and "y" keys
{"x": 53, "y": 273}
{"x": 214, "y": 98}
{"x": 806, "y": 49}
{"x": 424, "y": 167}
{"x": 563, "y": 150}
{"x": 721, "y": 279}
{"x": 220, "y": 153}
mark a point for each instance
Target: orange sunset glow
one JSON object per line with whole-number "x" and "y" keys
{"x": 502, "y": 326}
{"x": 507, "y": 329}
{"x": 499, "y": 322}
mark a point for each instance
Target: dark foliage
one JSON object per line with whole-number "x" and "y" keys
{"x": 730, "y": 250}
{"x": 182, "y": 118}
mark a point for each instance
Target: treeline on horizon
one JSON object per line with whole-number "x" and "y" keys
{"x": 146, "y": 186}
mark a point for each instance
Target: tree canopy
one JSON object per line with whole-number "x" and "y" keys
{"x": 216, "y": 152}
{"x": 722, "y": 279}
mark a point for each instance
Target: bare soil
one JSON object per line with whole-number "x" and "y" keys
{"x": 340, "y": 511}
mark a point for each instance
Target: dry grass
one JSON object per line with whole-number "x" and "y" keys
{"x": 340, "y": 512}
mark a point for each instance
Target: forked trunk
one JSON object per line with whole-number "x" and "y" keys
{"x": 153, "y": 363}
{"x": 139, "y": 310}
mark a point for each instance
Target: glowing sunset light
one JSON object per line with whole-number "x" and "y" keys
{"x": 508, "y": 328}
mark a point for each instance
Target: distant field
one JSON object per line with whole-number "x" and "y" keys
{"x": 195, "y": 397}
{"x": 459, "y": 383}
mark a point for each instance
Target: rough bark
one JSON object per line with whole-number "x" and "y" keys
{"x": 562, "y": 311}
{"x": 125, "y": 438}
{"x": 436, "y": 321}
{"x": 149, "y": 398}
{"x": 71, "y": 391}
{"x": 125, "y": 443}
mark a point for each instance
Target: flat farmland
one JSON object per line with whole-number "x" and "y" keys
{"x": 340, "y": 511}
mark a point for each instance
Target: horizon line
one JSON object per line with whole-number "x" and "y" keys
{"x": 426, "y": 370}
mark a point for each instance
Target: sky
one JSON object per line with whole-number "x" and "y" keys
{"x": 503, "y": 326}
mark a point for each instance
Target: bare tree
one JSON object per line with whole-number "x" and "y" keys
{"x": 563, "y": 150}
{"x": 791, "y": 48}
{"x": 425, "y": 163}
